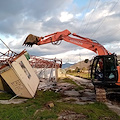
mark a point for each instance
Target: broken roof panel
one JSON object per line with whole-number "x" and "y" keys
{"x": 40, "y": 62}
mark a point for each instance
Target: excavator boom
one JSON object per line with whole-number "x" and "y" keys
{"x": 64, "y": 35}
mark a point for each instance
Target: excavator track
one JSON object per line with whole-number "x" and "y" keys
{"x": 100, "y": 94}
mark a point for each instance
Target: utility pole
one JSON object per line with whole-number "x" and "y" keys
{"x": 80, "y": 60}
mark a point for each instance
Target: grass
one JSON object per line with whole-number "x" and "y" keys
{"x": 5, "y": 96}
{"x": 36, "y": 109}
{"x": 96, "y": 111}
{"x": 83, "y": 75}
{"x": 68, "y": 80}
{"x": 28, "y": 109}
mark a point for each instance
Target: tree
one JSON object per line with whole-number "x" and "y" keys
{"x": 77, "y": 69}
{"x": 86, "y": 60}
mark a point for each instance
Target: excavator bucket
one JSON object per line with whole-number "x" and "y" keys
{"x": 31, "y": 40}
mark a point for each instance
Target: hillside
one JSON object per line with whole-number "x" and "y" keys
{"x": 66, "y": 65}
{"x": 80, "y": 65}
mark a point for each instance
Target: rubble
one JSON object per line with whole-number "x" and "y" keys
{"x": 13, "y": 101}
{"x": 46, "y": 85}
{"x": 114, "y": 108}
{"x": 70, "y": 115}
{"x": 50, "y": 104}
{"x": 72, "y": 93}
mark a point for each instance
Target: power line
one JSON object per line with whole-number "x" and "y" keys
{"x": 85, "y": 12}
{"x": 115, "y": 32}
{"x": 103, "y": 21}
{"x": 91, "y": 16}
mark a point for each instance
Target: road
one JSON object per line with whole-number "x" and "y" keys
{"x": 81, "y": 81}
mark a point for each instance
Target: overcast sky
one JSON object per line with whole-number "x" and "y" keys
{"x": 95, "y": 19}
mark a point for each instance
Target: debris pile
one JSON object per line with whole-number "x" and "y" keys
{"x": 21, "y": 73}
{"x": 45, "y": 68}
{"x": 70, "y": 92}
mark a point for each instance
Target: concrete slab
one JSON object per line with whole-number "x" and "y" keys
{"x": 13, "y": 101}
{"x": 72, "y": 93}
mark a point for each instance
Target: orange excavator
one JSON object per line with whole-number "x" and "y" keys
{"x": 105, "y": 72}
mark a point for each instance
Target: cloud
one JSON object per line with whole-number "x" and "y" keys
{"x": 65, "y": 16}
{"x": 16, "y": 14}
{"x": 20, "y": 18}
{"x": 73, "y": 56}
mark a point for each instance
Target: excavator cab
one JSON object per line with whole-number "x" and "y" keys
{"x": 104, "y": 70}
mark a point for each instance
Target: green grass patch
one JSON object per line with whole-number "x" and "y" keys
{"x": 96, "y": 111}
{"x": 35, "y": 109}
{"x": 26, "y": 110}
{"x": 5, "y": 96}
{"x": 68, "y": 80}
{"x": 83, "y": 75}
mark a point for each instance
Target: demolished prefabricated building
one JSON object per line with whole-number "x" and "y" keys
{"x": 22, "y": 77}
{"x": 17, "y": 75}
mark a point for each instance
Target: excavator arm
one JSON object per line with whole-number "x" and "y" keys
{"x": 55, "y": 38}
